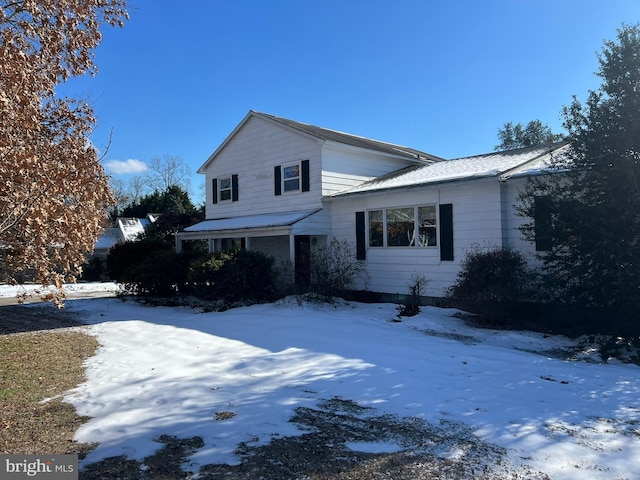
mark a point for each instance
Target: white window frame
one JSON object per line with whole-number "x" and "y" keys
{"x": 413, "y": 243}
{"x": 228, "y": 189}
{"x": 284, "y": 178}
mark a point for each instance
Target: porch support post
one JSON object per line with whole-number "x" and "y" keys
{"x": 178, "y": 244}
{"x": 292, "y": 248}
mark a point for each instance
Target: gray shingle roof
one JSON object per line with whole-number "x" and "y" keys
{"x": 352, "y": 140}
{"x": 496, "y": 164}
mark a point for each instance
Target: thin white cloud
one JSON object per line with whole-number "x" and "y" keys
{"x": 126, "y": 166}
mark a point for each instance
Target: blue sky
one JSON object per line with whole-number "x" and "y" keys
{"x": 440, "y": 76}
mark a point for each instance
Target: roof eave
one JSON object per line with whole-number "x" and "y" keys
{"x": 413, "y": 186}
{"x": 418, "y": 159}
{"x": 520, "y": 170}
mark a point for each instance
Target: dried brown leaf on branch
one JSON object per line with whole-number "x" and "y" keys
{"x": 54, "y": 193}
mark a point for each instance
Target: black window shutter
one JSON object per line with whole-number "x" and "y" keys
{"x": 214, "y": 189}
{"x": 446, "y": 232}
{"x": 234, "y": 188}
{"x": 305, "y": 175}
{"x": 277, "y": 180}
{"x": 542, "y": 223}
{"x": 361, "y": 241}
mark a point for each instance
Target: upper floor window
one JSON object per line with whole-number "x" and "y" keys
{"x": 225, "y": 189}
{"x": 403, "y": 227}
{"x": 291, "y": 177}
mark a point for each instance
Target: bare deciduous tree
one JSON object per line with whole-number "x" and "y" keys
{"x": 137, "y": 187}
{"x": 166, "y": 172}
{"x": 53, "y": 191}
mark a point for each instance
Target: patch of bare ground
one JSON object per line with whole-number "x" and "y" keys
{"x": 33, "y": 318}
{"x": 329, "y": 448}
{"x": 37, "y": 366}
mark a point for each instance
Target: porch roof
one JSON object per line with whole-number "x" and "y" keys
{"x": 250, "y": 222}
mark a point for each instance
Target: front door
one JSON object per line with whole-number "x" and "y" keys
{"x": 302, "y": 260}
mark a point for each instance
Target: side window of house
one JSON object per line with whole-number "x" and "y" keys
{"x": 225, "y": 189}
{"x": 291, "y": 177}
{"x": 543, "y": 226}
{"x": 403, "y": 227}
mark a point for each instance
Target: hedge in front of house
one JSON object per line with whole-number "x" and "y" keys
{"x": 233, "y": 275}
{"x": 149, "y": 266}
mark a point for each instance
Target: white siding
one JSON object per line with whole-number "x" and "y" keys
{"x": 252, "y": 154}
{"x": 476, "y": 223}
{"x": 344, "y": 166}
{"x": 484, "y": 214}
{"x": 515, "y": 238}
{"x": 277, "y": 246}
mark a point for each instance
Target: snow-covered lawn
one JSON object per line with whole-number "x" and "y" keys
{"x": 239, "y": 376}
{"x": 71, "y": 289}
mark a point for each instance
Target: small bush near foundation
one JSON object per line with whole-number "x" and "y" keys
{"x": 411, "y": 304}
{"x": 335, "y": 269}
{"x": 491, "y": 283}
{"x": 284, "y": 282}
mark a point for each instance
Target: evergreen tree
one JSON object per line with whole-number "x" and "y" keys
{"x": 174, "y": 206}
{"x": 594, "y": 259}
{"x": 518, "y": 136}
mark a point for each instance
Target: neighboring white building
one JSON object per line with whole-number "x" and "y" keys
{"x": 282, "y": 187}
{"x": 124, "y": 230}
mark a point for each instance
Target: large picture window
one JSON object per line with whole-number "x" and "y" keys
{"x": 403, "y": 227}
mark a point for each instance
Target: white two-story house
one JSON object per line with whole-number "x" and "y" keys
{"x": 283, "y": 187}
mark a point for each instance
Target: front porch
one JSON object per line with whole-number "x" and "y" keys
{"x": 288, "y": 237}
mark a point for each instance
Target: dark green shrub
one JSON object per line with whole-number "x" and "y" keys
{"x": 93, "y": 270}
{"x": 232, "y": 276}
{"x": 149, "y": 266}
{"x": 491, "y": 283}
{"x": 124, "y": 255}
{"x": 162, "y": 273}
